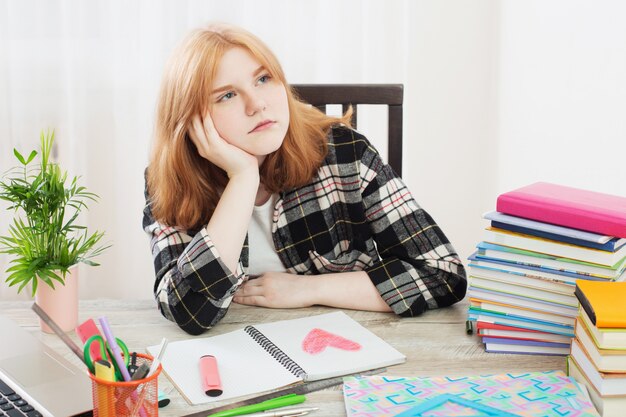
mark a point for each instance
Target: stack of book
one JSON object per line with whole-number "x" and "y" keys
{"x": 598, "y": 355}
{"x": 542, "y": 239}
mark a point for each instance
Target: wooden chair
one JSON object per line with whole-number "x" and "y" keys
{"x": 392, "y": 95}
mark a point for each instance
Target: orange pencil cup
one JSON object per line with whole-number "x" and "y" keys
{"x": 133, "y": 398}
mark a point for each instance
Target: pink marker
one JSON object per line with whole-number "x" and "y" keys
{"x": 211, "y": 382}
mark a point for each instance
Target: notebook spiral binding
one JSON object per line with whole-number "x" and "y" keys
{"x": 276, "y": 352}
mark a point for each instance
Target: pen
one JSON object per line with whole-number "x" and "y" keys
{"x": 285, "y": 400}
{"x": 159, "y": 357}
{"x": 469, "y": 328}
{"x": 284, "y": 413}
{"x": 115, "y": 349}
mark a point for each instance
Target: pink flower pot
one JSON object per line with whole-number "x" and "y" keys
{"x": 61, "y": 303}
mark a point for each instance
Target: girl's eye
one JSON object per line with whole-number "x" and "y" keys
{"x": 227, "y": 96}
{"x": 264, "y": 78}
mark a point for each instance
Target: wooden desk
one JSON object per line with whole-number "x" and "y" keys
{"x": 435, "y": 343}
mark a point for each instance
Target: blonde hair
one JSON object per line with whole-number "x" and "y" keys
{"x": 184, "y": 187}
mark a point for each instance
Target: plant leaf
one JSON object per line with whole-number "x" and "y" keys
{"x": 19, "y": 156}
{"x": 31, "y": 157}
{"x": 43, "y": 239}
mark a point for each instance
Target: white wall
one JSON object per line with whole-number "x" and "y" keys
{"x": 562, "y": 94}
{"x": 450, "y": 114}
{"x": 497, "y": 95}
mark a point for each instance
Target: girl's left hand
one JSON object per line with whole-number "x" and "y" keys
{"x": 276, "y": 290}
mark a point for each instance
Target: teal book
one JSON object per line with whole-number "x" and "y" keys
{"x": 477, "y": 314}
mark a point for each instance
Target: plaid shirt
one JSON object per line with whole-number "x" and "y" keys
{"x": 356, "y": 214}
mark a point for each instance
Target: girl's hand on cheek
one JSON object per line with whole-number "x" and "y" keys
{"x": 212, "y": 147}
{"x": 276, "y": 290}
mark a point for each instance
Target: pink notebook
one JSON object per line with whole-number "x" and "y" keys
{"x": 567, "y": 206}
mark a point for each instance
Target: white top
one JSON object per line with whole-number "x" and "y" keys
{"x": 262, "y": 254}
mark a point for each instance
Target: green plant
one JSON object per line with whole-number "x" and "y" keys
{"x": 43, "y": 238}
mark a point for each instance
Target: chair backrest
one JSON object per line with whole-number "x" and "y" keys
{"x": 392, "y": 95}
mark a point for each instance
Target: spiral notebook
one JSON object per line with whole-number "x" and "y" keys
{"x": 268, "y": 356}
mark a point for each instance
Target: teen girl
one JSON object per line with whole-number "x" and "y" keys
{"x": 257, "y": 198}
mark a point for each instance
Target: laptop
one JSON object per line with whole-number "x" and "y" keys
{"x": 50, "y": 384}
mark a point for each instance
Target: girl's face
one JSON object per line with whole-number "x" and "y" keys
{"x": 249, "y": 107}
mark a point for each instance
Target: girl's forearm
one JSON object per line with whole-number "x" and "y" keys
{"x": 229, "y": 224}
{"x": 352, "y": 290}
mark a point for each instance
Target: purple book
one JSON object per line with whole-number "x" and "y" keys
{"x": 505, "y": 341}
{"x": 527, "y": 347}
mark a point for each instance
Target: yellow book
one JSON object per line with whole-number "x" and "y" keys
{"x": 604, "y": 302}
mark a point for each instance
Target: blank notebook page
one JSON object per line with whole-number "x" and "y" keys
{"x": 244, "y": 366}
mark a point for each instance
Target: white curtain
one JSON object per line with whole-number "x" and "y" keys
{"x": 497, "y": 94}
{"x": 90, "y": 70}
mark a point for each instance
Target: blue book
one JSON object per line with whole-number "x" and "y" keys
{"x": 476, "y": 256}
{"x": 610, "y": 246}
{"x": 521, "y": 301}
{"x": 519, "y": 317}
{"x": 547, "y": 227}
{"x": 549, "y": 262}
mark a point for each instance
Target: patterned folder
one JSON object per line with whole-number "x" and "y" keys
{"x": 529, "y": 394}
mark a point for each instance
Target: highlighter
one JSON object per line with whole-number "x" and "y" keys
{"x": 211, "y": 382}
{"x": 105, "y": 394}
{"x": 104, "y": 370}
{"x": 162, "y": 399}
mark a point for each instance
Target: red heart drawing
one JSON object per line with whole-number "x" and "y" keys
{"x": 318, "y": 340}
